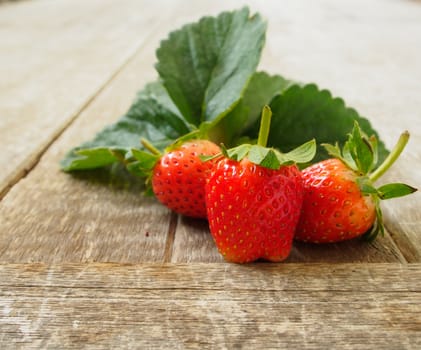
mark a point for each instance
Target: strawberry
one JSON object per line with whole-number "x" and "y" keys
{"x": 253, "y": 197}
{"x": 253, "y": 210}
{"x": 334, "y": 208}
{"x": 178, "y": 176}
{"x": 340, "y": 200}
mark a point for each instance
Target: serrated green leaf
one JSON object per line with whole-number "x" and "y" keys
{"x": 238, "y": 152}
{"x": 344, "y": 155}
{"x": 136, "y": 169}
{"x": 360, "y": 150}
{"x": 304, "y": 112}
{"x": 208, "y": 158}
{"x": 156, "y": 117}
{"x": 347, "y": 157}
{"x": 145, "y": 160}
{"x": 152, "y": 116}
{"x": 303, "y": 153}
{"x": 259, "y": 92}
{"x": 272, "y": 158}
{"x": 263, "y": 156}
{"x": 333, "y": 150}
{"x": 395, "y": 190}
{"x": 205, "y": 65}
{"x": 91, "y": 158}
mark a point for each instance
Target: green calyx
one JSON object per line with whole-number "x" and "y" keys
{"x": 270, "y": 158}
{"x": 359, "y": 153}
{"x": 143, "y": 161}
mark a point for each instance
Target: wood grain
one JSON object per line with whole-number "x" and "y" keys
{"x": 68, "y": 68}
{"x": 53, "y": 61}
{"x": 193, "y": 243}
{"x": 50, "y": 216}
{"x": 203, "y": 306}
{"x": 403, "y": 215}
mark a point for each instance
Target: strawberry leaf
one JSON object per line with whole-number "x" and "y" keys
{"x": 90, "y": 158}
{"x": 152, "y": 116}
{"x": 303, "y": 153}
{"x": 259, "y": 92}
{"x": 333, "y": 150}
{"x": 205, "y": 66}
{"x": 143, "y": 164}
{"x": 395, "y": 190}
{"x": 360, "y": 149}
{"x": 238, "y": 152}
{"x": 304, "y": 112}
{"x": 265, "y": 157}
{"x": 271, "y": 158}
{"x": 145, "y": 160}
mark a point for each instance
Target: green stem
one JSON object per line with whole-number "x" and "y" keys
{"x": 151, "y": 148}
{"x": 264, "y": 126}
{"x": 391, "y": 158}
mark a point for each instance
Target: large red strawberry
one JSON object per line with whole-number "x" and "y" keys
{"x": 253, "y": 210}
{"x": 178, "y": 176}
{"x": 340, "y": 200}
{"x": 253, "y": 197}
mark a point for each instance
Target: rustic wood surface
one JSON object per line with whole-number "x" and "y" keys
{"x": 53, "y": 62}
{"x": 200, "y": 305}
{"x": 87, "y": 262}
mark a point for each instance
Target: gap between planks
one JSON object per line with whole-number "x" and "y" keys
{"x": 169, "y": 244}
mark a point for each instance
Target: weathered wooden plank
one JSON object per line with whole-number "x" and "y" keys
{"x": 403, "y": 215}
{"x": 53, "y": 61}
{"x": 197, "y": 319}
{"x": 224, "y": 305}
{"x": 51, "y": 216}
{"x": 364, "y": 278}
{"x": 193, "y": 243}
{"x": 73, "y": 226}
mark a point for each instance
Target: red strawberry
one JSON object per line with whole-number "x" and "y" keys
{"x": 179, "y": 177}
{"x": 252, "y": 210}
{"x": 340, "y": 201}
{"x": 334, "y": 208}
{"x": 253, "y": 200}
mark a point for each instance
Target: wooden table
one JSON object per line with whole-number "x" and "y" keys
{"x": 88, "y": 262}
